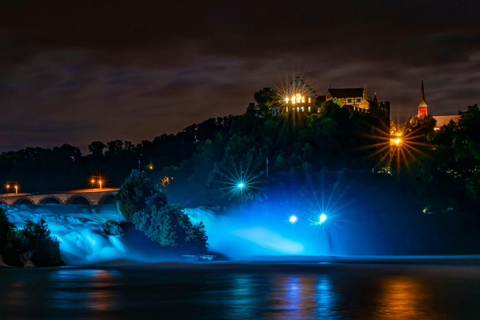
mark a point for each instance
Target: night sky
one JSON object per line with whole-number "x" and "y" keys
{"x": 79, "y": 71}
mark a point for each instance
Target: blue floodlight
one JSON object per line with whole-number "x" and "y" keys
{"x": 240, "y": 185}
{"x": 322, "y": 218}
{"x": 293, "y": 218}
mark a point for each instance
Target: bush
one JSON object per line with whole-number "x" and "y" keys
{"x": 6, "y": 230}
{"x": 36, "y": 238}
{"x": 165, "y": 224}
{"x": 133, "y": 194}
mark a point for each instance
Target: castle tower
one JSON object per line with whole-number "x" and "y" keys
{"x": 422, "y": 106}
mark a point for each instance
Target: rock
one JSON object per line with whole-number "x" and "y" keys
{"x": 25, "y": 259}
{"x": 113, "y": 228}
{"x": 3, "y": 264}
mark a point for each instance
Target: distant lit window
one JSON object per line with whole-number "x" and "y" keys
{"x": 303, "y": 109}
{"x": 349, "y": 100}
{"x": 293, "y": 99}
{"x": 308, "y": 109}
{"x": 309, "y": 100}
{"x": 286, "y": 100}
{"x": 303, "y": 99}
{"x": 298, "y": 109}
{"x": 318, "y": 110}
{"x": 287, "y": 109}
{"x": 359, "y": 100}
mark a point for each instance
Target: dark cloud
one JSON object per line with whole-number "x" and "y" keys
{"x": 134, "y": 70}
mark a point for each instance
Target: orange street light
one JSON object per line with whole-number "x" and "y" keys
{"x": 100, "y": 182}
{"x": 16, "y": 189}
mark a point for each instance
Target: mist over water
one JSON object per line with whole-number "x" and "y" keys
{"x": 242, "y": 233}
{"x": 79, "y": 229}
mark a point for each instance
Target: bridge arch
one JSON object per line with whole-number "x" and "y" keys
{"x": 108, "y": 198}
{"x": 50, "y": 200}
{"x": 24, "y": 201}
{"x": 78, "y": 200}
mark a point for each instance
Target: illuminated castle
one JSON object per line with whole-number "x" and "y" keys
{"x": 300, "y": 98}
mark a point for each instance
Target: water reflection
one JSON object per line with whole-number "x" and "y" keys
{"x": 242, "y": 297}
{"x": 84, "y": 289}
{"x": 292, "y": 297}
{"x": 16, "y": 294}
{"x": 404, "y": 298}
{"x": 326, "y": 298}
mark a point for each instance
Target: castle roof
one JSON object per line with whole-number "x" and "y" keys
{"x": 346, "y": 93}
{"x": 445, "y": 120}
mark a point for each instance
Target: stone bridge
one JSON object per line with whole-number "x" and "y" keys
{"x": 95, "y": 196}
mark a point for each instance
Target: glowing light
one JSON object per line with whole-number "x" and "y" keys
{"x": 396, "y": 142}
{"x": 150, "y": 167}
{"x": 322, "y": 218}
{"x": 286, "y": 100}
{"x": 293, "y": 219}
{"x": 293, "y": 99}
{"x": 240, "y": 185}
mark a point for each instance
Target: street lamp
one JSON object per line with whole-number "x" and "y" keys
{"x": 100, "y": 183}
{"x": 12, "y": 184}
{"x": 93, "y": 183}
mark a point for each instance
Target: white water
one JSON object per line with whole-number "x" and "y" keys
{"x": 79, "y": 229}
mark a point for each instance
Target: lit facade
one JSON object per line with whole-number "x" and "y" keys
{"x": 300, "y": 98}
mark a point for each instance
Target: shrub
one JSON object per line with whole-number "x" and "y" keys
{"x": 165, "y": 224}
{"x": 133, "y": 194}
{"x": 36, "y": 238}
{"x": 6, "y": 230}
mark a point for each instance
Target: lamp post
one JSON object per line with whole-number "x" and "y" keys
{"x": 100, "y": 183}
{"x": 11, "y": 184}
{"x": 93, "y": 183}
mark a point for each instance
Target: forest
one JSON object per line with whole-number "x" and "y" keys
{"x": 434, "y": 171}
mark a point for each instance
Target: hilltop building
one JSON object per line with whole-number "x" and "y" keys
{"x": 423, "y": 111}
{"x": 301, "y": 98}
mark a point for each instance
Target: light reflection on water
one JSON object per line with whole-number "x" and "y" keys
{"x": 404, "y": 298}
{"x": 255, "y": 292}
{"x": 326, "y": 298}
{"x": 84, "y": 289}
